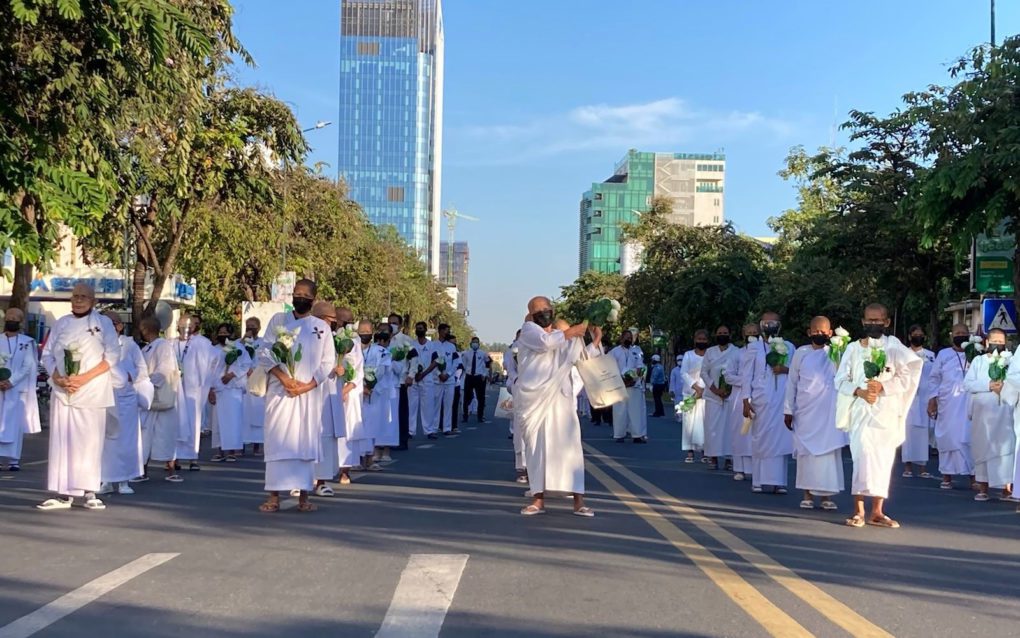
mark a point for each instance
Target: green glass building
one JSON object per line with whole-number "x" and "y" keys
{"x": 693, "y": 181}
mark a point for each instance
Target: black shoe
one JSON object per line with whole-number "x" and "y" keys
{"x": 432, "y": 437}
{"x": 620, "y": 440}
{"x": 177, "y": 466}
{"x": 14, "y": 468}
{"x": 640, "y": 439}
{"x": 193, "y": 467}
{"x": 510, "y": 437}
{"x": 450, "y": 433}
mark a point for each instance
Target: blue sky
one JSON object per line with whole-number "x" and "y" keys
{"x": 544, "y": 96}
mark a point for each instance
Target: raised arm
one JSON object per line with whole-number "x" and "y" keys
{"x": 538, "y": 340}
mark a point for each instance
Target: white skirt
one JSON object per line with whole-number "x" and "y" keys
{"x": 283, "y": 476}
{"x": 915, "y": 446}
{"x": 821, "y": 475}
{"x": 771, "y": 470}
{"x": 329, "y": 461}
{"x": 956, "y": 462}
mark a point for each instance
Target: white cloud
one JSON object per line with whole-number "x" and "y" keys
{"x": 663, "y": 124}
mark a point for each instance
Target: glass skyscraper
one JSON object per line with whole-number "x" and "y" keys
{"x": 391, "y": 115}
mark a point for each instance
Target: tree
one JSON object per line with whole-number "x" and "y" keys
{"x": 591, "y": 286}
{"x": 69, "y": 69}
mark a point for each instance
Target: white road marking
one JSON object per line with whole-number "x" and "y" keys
{"x": 73, "y": 601}
{"x": 425, "y": 446}
{"x": 423, "y": 596}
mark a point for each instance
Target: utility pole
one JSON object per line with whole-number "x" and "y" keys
{"x": 993, "y": 22}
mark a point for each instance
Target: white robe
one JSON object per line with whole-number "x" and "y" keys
{"x": 195, "y": 360}
{"x": 17, "y": 416}
{"x": 952, "y": 425}
{"x": 875, "y": 430}
{"x": 771, "y": 442}
{"x": 160, "y": 428}
{"x": 293, "y": 424}
{"x": 740, "y": 443}
{"x": 544, "y": 395}
{"x": 1011, "y": 395}
{"x": 376, "y": 405}
{"x": 510, "y": 363}
{"x": 355, "y": 443}
{"x": 78, "y": 421}
{"x": 333, "y": 428}
{"x": 254, "y": 407}
{"x": 419, "y": 408}
{"x": 630, "y": 416}
{"x": 918, "y": 423}
{"x": 718, "y": 411}
{"x": 811, "y": 401}
{"x": 122, "y": 450}
{"x": 693, "y": 432}
{"x": 992, "y": 435}
{"x": 229, "y": 408}
{"x": 676, "y": 388}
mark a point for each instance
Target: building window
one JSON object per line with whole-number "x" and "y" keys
{"x": 598, "y": 197}
{"x": 716, "y": 219}
{"x": 598, "y": 213}
{"x": 395, "y": 194}
{"x": 368, "y": 48}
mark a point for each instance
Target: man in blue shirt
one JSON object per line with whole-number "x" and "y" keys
{"x": 657, "y": 376}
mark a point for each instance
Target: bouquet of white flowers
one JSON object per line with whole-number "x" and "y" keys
{"x": 838, "y": 344}
{"x": 999, "y": 366}
{"x": 232, "y": 352}
{"x": 5, "y": 372}
{"x": 778, "y": 355}
{"x": 283, "y": 351}
{"x": 72, "y": 359}
{"x": 603, "y": 311}
{"x": 973, "y": 348}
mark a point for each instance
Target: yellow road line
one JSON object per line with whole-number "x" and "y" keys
{"x": 834, "y": 610}
{"x": 768, "y": 615}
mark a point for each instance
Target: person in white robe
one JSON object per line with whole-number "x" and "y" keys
{"x": 763, "y": 395}
{"x": 294, "y": 397}
{"x": 992, "y": 438}
{"x": 916, "y": 445}
{"x": 401, "y": 342}
{"x": 873, "y": 411}
{"x": 510, "y": 363}
{"x": 122, "y": 450}
{"x": 741, "y": 441}
{"x": 160, "y": 420}
{"x": 254, "y": 406}
{"x": 419, "y": 395}
{"x": 352, "y": 446}
{"x": 442, "y": 366}
{"x": 720, "y": 402}
{"x": 17, "y": 390}
{"x": 692, "y": 386}
{"x": 376, "y": 364}
{"x": 545, "y": 394}
{"x": 949, "y": 405}
{"x": 810, "y": 412}
{"x": 1010, "y": 394}
{"x": 630, "y": 417}
{"x": 81, "y": 349}
{"x": 333, "y": 425}
{"x": 385, "y": 399}
{"x": 229, "y": 382}
{"x": 195, "y": 361}
{"x": 676, "y": 386}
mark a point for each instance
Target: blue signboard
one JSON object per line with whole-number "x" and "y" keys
{"x": 999, "y": 313}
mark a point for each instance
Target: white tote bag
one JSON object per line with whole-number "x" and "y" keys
{"x": 505, "y": 405}
{"x": 602, "y": 380}
{"x": 164, "y": 396}
{"x": 257, "y": 381}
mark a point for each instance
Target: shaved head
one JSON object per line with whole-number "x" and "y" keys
{"x": 344, "y": 316}
{"x": 14, "y": 314}
{"x": 768, "y": 315}
{"x": 324, "y": 310}
{"x": 821, "y": 324}
{"x": 877, "y": 308}
{"x": 539, "y": 303}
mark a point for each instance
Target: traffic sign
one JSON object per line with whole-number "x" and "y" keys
{"x": 992, "y": 267}
{"x": 999, "y": 313}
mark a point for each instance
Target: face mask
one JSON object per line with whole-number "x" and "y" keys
{"x": 997, "y": 347}
{"x": 81, "y": 314}
{"x": 221, "y": 339}
{"x": 382, "y": 336}
{"x": 722, "y": 340}
{"x": 627, "y": 343}
{"x": 750, "y": 338}
{"x": 771, "y": 328}
{"x": 420, "y": 333}
{"x": 365, "y": 339}
{"x": 819, "y": 339}
{"x": 543, "y": 318}
{"x": 474, "y": 346}
{"x": 917, "y": 340}
{"x": 333, "y": 326}
{"x": 701, "y": 345}
{"x": 302, "y": 305}
{"x": 959, "y": 340}
{"x": 12, "y": 326}
{"x": 874, "y": 330}
{"x": 394, "y": 328}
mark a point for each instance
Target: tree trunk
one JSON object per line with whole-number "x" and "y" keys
{"x": 933, "y": 325}
{"x": 1016, "y": 276}
{"x": 23, "y": 271}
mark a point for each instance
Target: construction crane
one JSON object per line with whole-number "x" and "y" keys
{"x": 452, "y": 216}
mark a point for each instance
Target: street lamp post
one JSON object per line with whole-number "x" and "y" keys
{"x": 286, "y": 197}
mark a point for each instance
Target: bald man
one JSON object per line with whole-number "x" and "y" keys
{"x": 545, "y": 396}
{"x": 195, "y": 357}
{"x": 949, "y": 405}
{"x": 810, "y": 412}
{"x": 19, "y": 412}
{"x": 81, "y": 349}
{"x": 873, "y": 411}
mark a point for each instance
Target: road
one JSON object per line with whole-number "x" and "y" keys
{"x": 675, "y": 550}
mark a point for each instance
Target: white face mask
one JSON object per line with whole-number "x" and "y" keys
{"x": 394, "y": 328}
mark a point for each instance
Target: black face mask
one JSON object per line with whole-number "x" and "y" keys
{"x": 302, "y": 305}
{"x": 627, "y": 343}
{"x": 996, "y": 347}
{"x": 959, "y": 340}
{"x": 333, "y": 325}
{"x": 419, "y": 332}
{"x": 12, "y": 326}
{"x": 700, "y": 345}
{"x": 365, "y": 339}
{"x": 874, "y": 330}
{"x": 771, "y": 328}
{"x": 819, "y": 339}
{"x": 917, "y": 340}
{"x": 382, "y": 336}
{"x": 543, "y": 318}
{"x": 221, "y": 339}
{"x": 722, "y": 340}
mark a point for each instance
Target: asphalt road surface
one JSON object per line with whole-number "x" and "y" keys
{"x": 434, "y": 546}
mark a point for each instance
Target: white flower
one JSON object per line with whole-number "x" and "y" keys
{"x": 976, "y": 339}
{"x": 4, "y": 358}
{"x": 836, "y": 341}
{"x": 753, "y": 339}
{"x": 614, "y": 315}
{"x": 615, "y": 303}
{"x": 1006, "y": 355}
{"x": 514, "y": 350}
{"x": 75, "y": 350}
{"x": 841, "y": 332}
{"x": 778, "y": 345}
{"x": 978, "y": 346}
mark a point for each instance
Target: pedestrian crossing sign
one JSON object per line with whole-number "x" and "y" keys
{"x": 999, "y": 313}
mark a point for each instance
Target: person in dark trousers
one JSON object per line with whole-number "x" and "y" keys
{"x": 459, "y": 375}
{"x": 476, "y": 370}
{"x": 657, "y": 376}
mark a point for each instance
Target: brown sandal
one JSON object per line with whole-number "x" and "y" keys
{"x": 270, "y": 507}
{"x": 307, "y": 507}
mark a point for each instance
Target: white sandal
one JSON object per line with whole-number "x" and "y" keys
{"x": 587, "y": 512}
{"x": 324, "y": 490}
{"x": 94, "y": 504}
{"x": 55, "y": 504}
